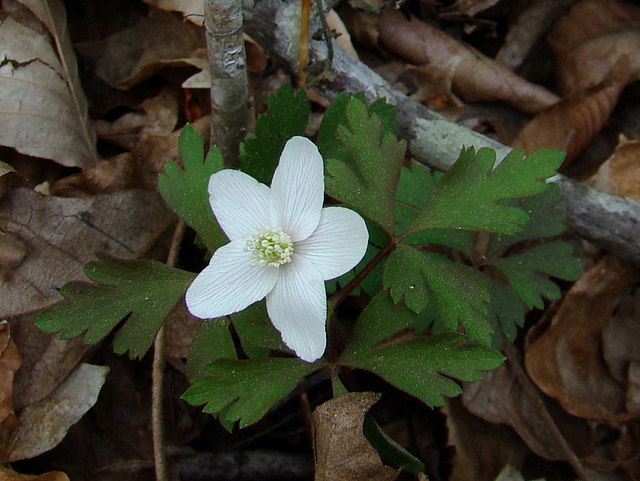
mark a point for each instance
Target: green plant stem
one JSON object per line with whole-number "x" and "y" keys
{"x": 157, "y": 376}
{"x": 343, "y": 293}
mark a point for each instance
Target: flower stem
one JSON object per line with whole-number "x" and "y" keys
{"x": 343, "y": 293}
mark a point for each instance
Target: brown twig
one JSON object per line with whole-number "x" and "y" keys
{"x": 514, "y": 359}
{"x": 157, "y": 376}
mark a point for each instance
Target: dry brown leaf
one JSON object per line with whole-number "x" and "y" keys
{"x": 138, "y": 168}
{"x": 434, "y": 83}
{"x": 126, "y": 58}
{"x": 9, "y": 177}
{"x": 591, "y": 38}
{"x": 620, "y": 173}
{"x": 341, "y": 451}
{"x": 336, "y": 24}
{"x": 500, "y": 398}
{"x": 9, "y": 363}
{"x": 44, "y": 111}
{"x": 63, "y": 234}
{"x": 566, "y": 361}
{"x": 482, "y": 449}
{"x": 7, "y": 474}
{"x": 192, "y": 10}
{"x": 572, "y": 124}
{"x": 45, "y": 423}
{"x": 477, "y": 77}
{"x": 182, "y": 328}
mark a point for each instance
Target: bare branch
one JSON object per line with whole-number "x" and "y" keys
{"x": 229, "y": 84}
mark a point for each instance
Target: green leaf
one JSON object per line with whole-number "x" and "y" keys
{"x": 256, "y": 332}
{"x": 460, "y": 293}
{"x": 506, "y": 311}
{"x": 369, "y": 183}
{"x": 527, "y": 272}
{"x": 471, "y": 195}
{"x": 147, "y": 290}
{"x": 329, "y": 143}
{"x": 379, "y": 321}
{"x": 288, "y": 114}
{"x": 391, "y": 453}
{"x": 415, "y": 189}
{"x": 245, "y": 390}
{"x": 545, "y": 220}
{"x": 186, "y": 191}
{"x": 424, "y": 367}
{"x": 213, "y": 341}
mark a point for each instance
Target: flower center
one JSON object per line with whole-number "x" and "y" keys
{"x": 270, "y": 246}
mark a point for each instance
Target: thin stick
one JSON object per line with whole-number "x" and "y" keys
{"x": 303, "y": 45}
{"x": 513, "y": 357}
{"x": 157, "y": 377}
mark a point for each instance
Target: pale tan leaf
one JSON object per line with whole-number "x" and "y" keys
{"x": 566, "y": 360}
{"x": 342, "y": 453}
{"x": 63, "y": 234}
{"x": 45, "y": 423}
{"x": 620, "y": 173}
{"x": 9, "y": 177}
{"x": 591, "y": 38}
{"x": 8, "y": 474}
{"x": 44, "y": 111}
{"x": 477, "y": 77}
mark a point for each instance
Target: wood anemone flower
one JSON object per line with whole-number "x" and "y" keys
{"x": 284, "y": 245}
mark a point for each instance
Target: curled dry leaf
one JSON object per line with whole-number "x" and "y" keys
{"x": 591, "y": 38}
{"x": 341, "y": 451}
{"x": 572, "y": 124}
{"x": 126, "y": 58}
{"x": 501, "y": 398}
{"x": 192, "y": 10}
{"x": 620, "y": 173}
{"x": 566, "y": 361}
{"x": 63, "y": 234}
{"x": 477, "y": 77}
{"x": 138, "y": 168}
{"x": 45, "y": 423}
{"x": 44, "y": 110}
{"x": 9, "y": 363}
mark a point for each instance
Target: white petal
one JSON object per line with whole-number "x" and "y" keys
{"x": 240, "y": 203}
{"x": 297, "y": 307}
{"x": 338, "y": 244}
{"x": 229, "y": 283}
{"x": 298, "y": 188}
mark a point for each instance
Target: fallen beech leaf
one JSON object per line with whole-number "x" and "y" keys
{"x": 620, "y": 173}
{"x": 570, "y": 125}
{"x": 477, "y": 77}
{"x": 126, "y": 58}
{"x": 591, "y": 38}
{"x": 192, "y": 10}
{"x": 566, "y": 360}
{"x": 482, "y": 449}
{"x": 500, "y": 398}
{"x": 44, "y": 111}
{"x": 7, "y": 474}
{"x": 9, "y": 363}
{"x": 341, "y": 451}
{"x": 138, "y": 168}
{"x": 12, "y": 251}
{"x": 63, "y": 234}
{"x": 434, "y": 84}
{"x": 45, "y": 423}
{"x": 46, "y": 360}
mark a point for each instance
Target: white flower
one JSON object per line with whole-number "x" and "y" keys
{"x": 284, "y": 245}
